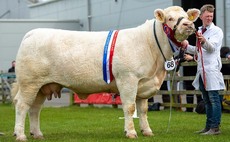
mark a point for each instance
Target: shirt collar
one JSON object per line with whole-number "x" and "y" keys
{"x": 208, "y": 27}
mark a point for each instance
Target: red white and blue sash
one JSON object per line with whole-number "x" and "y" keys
{"x": 108, "y": 55}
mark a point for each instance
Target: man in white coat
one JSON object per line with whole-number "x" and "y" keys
{"x": 209, "y": 80}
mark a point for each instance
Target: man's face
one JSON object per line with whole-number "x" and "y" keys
{"x": 207, "y": 18}
{"x": 13, "y": 64}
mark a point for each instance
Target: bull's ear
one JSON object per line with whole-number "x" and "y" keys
{"x": 160, "y": 15}
{"x": 193, "y": 14}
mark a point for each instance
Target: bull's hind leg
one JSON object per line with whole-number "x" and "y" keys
{"x": 23, "y": 101}
{"x": 34, "y": 115}
{"x": 142, "y": 109}
{"x": 128, "y": 90}
{"x": 21, "y": 110}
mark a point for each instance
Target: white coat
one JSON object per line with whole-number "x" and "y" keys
{"x": 211, "y": 59}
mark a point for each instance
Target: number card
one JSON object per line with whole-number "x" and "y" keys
{"x": 170, "y": 65}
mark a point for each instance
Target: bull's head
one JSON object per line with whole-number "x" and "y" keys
{"x": 179, "y": 21}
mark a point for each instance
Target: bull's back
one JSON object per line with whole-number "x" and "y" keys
{"x": 70, "y": 58}
{"x": 62, "y": 42}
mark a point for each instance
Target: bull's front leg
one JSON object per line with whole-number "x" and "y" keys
{"x": 127, "y": 87}
{"x": 129, "y": 125}
{"x": 142, "y": 109}
{"x": 147, "y": 88}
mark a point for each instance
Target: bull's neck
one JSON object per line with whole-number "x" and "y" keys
{"x": 162, "y": 38}
{"x": 156, "y": 58}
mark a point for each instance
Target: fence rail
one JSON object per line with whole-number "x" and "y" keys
{"x": 5, "y": 86}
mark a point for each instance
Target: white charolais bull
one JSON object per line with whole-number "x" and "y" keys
{"x": 49, "y": 59}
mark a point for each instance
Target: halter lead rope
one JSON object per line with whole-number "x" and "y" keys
{"x": 171, "y": 84}
{"x": 198, "y": 44}
{"x": 155, "y": 35}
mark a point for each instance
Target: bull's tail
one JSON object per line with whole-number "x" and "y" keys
{"x": 14, "y": 91}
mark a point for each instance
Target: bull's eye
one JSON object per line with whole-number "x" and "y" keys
{"x": 171, "y": 19}
{"x": 185, "y": 24}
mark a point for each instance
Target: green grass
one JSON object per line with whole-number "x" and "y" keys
{"x": 91, "y": 124}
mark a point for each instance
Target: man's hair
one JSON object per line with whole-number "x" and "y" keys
{"x": 207, "y": 7}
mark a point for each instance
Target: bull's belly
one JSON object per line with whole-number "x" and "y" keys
{"x": 82, "y": 90}
{"x": 90, "y": 88}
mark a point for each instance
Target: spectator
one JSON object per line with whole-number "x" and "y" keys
{"x": 225, "y": 53}
{"x": 12, "y": 69}
{"x": 190, "y": 71}
{"x": 11, "y": 77}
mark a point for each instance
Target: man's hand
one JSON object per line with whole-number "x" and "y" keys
{"x": 184, "y": 44}
{"x": 188, "y": 57}
{"x": 201, "y": 38}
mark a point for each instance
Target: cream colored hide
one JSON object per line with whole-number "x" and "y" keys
{"x": 49, "y": 59}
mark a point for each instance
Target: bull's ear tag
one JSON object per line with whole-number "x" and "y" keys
{"x": 170, "y": 65}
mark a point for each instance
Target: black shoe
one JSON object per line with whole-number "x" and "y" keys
{"x": 212, "y": 131}
{"x": 202, "y": 131}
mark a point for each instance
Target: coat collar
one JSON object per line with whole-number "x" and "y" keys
{"x": 208, "y": 27}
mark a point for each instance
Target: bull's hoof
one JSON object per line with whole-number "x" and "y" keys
{"x": 39, "y": 136}
{"x": 131, "y": 135}
{"x": 21, "y": 138}
{"x": 147, "y": 133}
